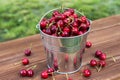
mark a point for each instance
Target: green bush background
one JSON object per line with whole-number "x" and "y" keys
{"x": 18, "y": 18}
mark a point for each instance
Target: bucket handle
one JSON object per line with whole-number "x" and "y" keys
{"x": 37, "y": 26}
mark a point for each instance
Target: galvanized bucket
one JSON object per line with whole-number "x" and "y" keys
{"x": 64, "y": 54}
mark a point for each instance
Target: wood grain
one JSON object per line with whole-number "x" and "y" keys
{"x": 105, "y": 36}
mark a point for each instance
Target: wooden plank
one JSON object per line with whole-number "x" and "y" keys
{"x": 104, "y": 35}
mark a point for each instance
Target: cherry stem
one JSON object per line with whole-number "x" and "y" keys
{"x": 113, "y": 59}
{"x": 17, "y": 63}
{"x": 31, "y": 46}
{"x": 59, "y": 28}
{"x": 66, "y": 76}
{"x": 100, "y": 68}
{"x": 62, "y": 8}
{"x": 32, "y": 67}
{"x": 53, "y": 76}
{"x": 96, "y": 68}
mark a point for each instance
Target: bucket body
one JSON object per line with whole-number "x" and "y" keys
{"x": 64, "y": 54}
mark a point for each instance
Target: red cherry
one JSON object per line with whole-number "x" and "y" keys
{"x": 93, "y": 63}
{"x": 66, "y": 57}
{"x": 88, "y": 44}
{"x": 44, "y": 75}
{"x": 52, "y": 19}
{"x": 77, "y": 20}
{"x": 30, "y": 73}
{"x": 74, "y": 15}
{"x": 55, "y": 66}
{"x": 67, "y": 13}
{"x": 50, "y": 70}
{"x": 83, "y": 26}
{"x": 75, "y": 61}
{"x": 75, "y": 24}
{"x": 48, "y": 31}
{"x": 53, "y": 28}
{"x": 63, "y": 16}
{"x": 44, "y": 30}
{"x": 60, "y": 23}
{"x": 102, "y": 63}
{"x": 71, "y": 10}
{"x": 43, "y": 24}
{"x": 23, "y": 72}
{"x": 25, "y": 61}
{"x": 27, "y": 52}
{"x": 80, "y": 33}
{"x": 75, "y": 30}
{"x": 67, "y": 29}
{"x": 55, "y": 13}
{"x": 102, "y": 56}
{"x": 98, "y": 53}
{"x": 65, "y": 34}
{"x": 87, "y": 23}
{"x": 83, "y": 19}
{"x": 86, "y": 73}
{"x": 58, "y": 17}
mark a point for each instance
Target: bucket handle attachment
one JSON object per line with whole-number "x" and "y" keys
{"x": 37, "y": 26}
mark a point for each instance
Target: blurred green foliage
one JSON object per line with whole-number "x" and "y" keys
{"x": 18, "y": 18}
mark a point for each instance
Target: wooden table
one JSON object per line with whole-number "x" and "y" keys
{"x": 105, "y": 36}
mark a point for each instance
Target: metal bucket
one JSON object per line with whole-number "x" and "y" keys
{"x": 64, "y": 54}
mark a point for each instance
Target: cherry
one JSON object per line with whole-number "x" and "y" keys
{"x": 77, "y": 20}
{"x": 98, "y": 53}
{"x": 83, "y": 26}
{"x": 27, "y": 52}
{"x": 75, "y": 61}
{"x": 60, "y": 23}
{"x": 50, "y": 71}
{"x": 63, "y": 16}
{"x": 67, "y": 13}
{"x": 55, "y": 66}
{"x": 71, "y": 11}
{"x": 44, "y": 30}
{"x": 53, "y": 28}
{"x": 30, "y": 73}
{"x": 102, "y": 56}
{"x": 65, "y": 34}
{"x": 44, "y": 75}
{"x": 43, "y": 24}
{"x": 102, "y": 63}
{"x": 80, "y": 33}
{"x": 83, "y": 19}
{"x": 93, "y": 63}
{"x": 67, "y": 20}
{"x": 75, "y": 30}
{"x": 75, "y": 24}
{"x": 88, "y": 44}
{"x": 25, "y": 61}
{"x": 52, "y": 19}
{"x": 74, "y": 15}
{"x": 56, "y": 12}
{"x": 66, "y": 57}
{"x": 23, "y": 72}
{"x": 87, "y": 23}
{"x": 86, "y": 73}
{"x": 58, "y": 17}
{"x": 48, "y": 31}
{"x": 67, "y": 29}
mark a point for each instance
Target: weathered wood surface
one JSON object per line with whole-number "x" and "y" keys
{"x": 105, "y": 36}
